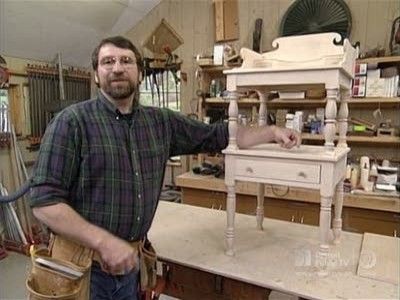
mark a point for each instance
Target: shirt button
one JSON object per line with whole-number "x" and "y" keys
{"x": 117, "y": 117}
{"x": 138, "y": 218}
{"x": 139, "y": 196}
{"x": 137, "y": 174}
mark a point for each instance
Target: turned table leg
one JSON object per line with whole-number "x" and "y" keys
{"x": 332, "y": 96}
{"x": 324, "y": 229}
{"x": 230, "y": 211}
{"x": 262, "y": 113}
{"x": 342, "y": 118}
{"x": 337, "y": 221}
{"x": 233, "y": 112}
{"x": 260, "y": 205}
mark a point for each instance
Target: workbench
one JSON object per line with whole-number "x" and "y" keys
{"x": 189, "y": 240}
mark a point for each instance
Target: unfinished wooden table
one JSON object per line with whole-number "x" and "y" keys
{"x": 297, "y": 63}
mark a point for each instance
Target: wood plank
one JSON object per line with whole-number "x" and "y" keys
{"x": 16, "y": 108}
{"x": 245, "y": 32}
{"x": 219, "y": 20}
{"x": 380, "y": 258}
{"x": 231, "y": 20}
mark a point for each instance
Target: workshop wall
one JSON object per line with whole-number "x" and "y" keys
{"x": 194, "y": 21}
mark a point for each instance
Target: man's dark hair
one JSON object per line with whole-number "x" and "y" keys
{"x": 120, "y": 42}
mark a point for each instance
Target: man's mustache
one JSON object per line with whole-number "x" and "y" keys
{"x": 119, "y": 78}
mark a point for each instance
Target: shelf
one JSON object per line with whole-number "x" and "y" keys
{"x": 219, "y": 100}
{"x": 276, "y": 103}
{"x": 377, "y": 60}
{"x": 217, "y": 68}
{"x": 356, "y": 139}
{"x": 368, "y": 102}
{"x": 353, "y": 102}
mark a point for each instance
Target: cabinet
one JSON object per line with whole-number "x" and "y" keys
{"x": 358, "y": 220}
{"x": 361, "y": 213}
{"x": 364, "y": 220}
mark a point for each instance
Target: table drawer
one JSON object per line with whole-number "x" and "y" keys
{"x": 308, "y": 173}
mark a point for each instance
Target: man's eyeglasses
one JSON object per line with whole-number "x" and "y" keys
{"x": 125, "y": 61}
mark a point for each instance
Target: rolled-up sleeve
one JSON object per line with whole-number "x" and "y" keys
{"x": 190, "y": 136}
{"x": 58, "y": 162}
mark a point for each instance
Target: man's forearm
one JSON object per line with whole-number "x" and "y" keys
{"x": 251, "y": 136}
{"x": 63, "y": 220}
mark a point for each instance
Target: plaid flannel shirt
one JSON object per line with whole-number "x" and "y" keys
{"x": 111, "y": 172}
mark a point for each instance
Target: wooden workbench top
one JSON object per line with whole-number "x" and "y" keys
{"x": 191, "y": 180}
{"x": 281, "y": 258}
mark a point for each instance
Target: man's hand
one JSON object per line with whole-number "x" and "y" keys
{"x": 287, "y": 138}
{"x": 118, "y": 257}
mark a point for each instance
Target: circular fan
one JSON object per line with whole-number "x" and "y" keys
{"x": 317, "y": 16}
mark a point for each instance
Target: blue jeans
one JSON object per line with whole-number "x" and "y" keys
{"x": 104, "y": 286}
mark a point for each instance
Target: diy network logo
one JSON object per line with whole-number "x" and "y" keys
{"x": 306, "y": 260}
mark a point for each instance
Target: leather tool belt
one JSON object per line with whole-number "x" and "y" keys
{"x": 62, "y": 271}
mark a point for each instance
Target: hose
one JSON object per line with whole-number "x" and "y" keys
{"x": 16, "y": 195}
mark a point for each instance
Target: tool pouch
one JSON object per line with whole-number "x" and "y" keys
{"x": 147, "y": 265}
{"x": 53, "y": 282}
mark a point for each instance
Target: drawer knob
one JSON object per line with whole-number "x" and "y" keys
{"x": 249, "y": 170}
{"x": 302, "y": 174}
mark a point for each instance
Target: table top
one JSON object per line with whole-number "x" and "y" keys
{"x": 304, "y": 152}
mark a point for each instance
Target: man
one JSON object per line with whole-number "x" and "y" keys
{"x": 101, "y": 165}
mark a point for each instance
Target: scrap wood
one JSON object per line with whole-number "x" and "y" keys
{"x": 359, "y": 121}
{"x": 13, "y": 225}
{"x": 20, "y": 176}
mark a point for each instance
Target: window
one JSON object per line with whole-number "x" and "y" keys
{"x": 161, "y": 88}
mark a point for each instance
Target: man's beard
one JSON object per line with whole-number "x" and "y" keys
{"x": 120, "y": 91}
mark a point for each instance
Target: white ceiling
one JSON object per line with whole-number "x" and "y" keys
{"x": 38, "y": 29}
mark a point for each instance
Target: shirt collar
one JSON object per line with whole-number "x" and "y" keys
{"x": 111, "y": 107}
